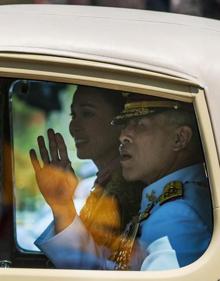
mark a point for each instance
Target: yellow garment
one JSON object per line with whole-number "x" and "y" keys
{"x": 110, "y": 207}
{"x": 101, "y": 217}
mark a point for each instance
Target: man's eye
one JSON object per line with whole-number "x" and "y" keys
{"x": 140, "y": 122}
{"x": 137, "y": 122}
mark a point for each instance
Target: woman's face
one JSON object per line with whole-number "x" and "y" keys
{"x": 94, "y": 136}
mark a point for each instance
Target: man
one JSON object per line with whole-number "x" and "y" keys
{"x": 160, "y": 146}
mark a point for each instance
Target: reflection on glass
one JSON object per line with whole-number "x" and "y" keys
{"x": 38, "y": 106}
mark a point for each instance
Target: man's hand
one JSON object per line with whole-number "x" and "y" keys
{"x": 56, "y": 178}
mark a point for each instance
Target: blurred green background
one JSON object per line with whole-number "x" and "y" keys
{"x": 37, "y": 106}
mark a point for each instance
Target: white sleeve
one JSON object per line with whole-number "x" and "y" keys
{"x": 161, "y": 256}
{"x": 73, "y": 248}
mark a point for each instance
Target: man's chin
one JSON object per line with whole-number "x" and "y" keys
{"x": 128, "y": 175}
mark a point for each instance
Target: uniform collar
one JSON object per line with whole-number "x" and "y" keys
{"x": 194, "y": 173}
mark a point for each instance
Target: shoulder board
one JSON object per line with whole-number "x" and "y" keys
{"x": 173, "y": 190}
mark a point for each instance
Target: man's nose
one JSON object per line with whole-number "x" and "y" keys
{"x": 125, "y": 136}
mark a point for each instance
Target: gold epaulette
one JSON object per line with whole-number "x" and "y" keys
{"x": 172, "y": 190}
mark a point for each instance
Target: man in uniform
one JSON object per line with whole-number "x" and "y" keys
{"x": 160, "y": 146}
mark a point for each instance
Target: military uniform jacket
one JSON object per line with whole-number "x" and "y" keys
{"x": 176, "y": 232}
{"x": 185, "y": 220}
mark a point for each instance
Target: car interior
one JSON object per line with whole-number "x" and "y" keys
{"x": 27, "y": 109}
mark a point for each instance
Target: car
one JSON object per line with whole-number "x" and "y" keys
{"x": 45, "y": 52}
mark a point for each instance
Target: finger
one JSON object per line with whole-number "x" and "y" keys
{"x": 43, "y": 150}
{"x": 62, "y": 148}
{"x": 34, "y": 160}
{"x": 53, "y": 145}
{"x": 65, "y": 162}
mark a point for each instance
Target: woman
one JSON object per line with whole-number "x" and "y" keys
{"x": 112, "y": 202}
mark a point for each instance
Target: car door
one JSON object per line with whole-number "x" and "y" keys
{"x": 31, "y": 92}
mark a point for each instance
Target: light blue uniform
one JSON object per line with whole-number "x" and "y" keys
{"x": 186, "y": 222}
{"x": 174, "y": 235}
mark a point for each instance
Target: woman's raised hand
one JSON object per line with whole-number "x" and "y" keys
{"x": 56, "y": 178}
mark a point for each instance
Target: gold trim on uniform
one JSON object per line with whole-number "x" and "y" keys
{"x": 151, "y": 104}
{"x": 173, "y": 190}
{"x": 142, "y": 108}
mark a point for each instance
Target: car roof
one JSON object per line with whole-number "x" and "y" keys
{"x": 169, "y": 43}
{"x": 184, "y": 46}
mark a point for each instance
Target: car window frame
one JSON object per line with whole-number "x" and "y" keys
{"x": 75, "y": 71}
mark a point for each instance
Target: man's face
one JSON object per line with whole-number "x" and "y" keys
{"x": 147, "y": 148}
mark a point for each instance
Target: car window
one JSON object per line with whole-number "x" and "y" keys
{"x": 117, "y": 179}
{"x": 37, "y": 106}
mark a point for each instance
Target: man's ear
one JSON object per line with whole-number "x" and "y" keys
{"x": 182, "y": 137}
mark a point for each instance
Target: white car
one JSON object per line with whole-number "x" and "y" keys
{"x": 45, "y": 52}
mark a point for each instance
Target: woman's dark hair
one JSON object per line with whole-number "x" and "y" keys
{"x": 112, "y": 97}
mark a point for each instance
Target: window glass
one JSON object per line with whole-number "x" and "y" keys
{"x": 38, "y": 106}
{"x": 121, "y": 176}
